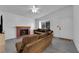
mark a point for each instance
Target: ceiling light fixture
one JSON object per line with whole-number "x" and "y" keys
{"x": 34, "y": 9}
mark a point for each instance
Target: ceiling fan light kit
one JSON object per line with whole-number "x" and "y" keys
{"x": 34, "y": 9}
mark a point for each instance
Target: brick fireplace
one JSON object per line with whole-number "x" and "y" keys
{"x": 22, "y": 30}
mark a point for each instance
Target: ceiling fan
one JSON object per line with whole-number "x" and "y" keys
{"x": 34, "y": 9}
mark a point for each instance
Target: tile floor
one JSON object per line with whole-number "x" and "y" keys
{"x": 57, "y": 46}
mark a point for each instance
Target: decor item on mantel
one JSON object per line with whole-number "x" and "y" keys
{"x": 22, "y": 30}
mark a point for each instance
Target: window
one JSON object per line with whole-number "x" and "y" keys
{"x": 44, "y": 24}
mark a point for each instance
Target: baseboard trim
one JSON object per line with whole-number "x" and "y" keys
{"x": 64, "y": 38}
{"x": 11, "y": 38}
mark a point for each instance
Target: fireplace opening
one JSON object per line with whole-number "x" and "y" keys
{"x": 24, "y": 32}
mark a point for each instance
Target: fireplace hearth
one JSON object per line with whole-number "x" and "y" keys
{"x": 22, "y": 30}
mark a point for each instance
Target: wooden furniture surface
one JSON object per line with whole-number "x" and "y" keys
{"x": 2, "y": 43}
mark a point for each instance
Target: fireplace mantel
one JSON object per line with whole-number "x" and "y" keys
{"x": 23, "y": 27}
{"x": 19, "y": 30}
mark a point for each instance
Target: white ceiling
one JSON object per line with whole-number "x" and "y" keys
{"x": 24, "y": 10}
